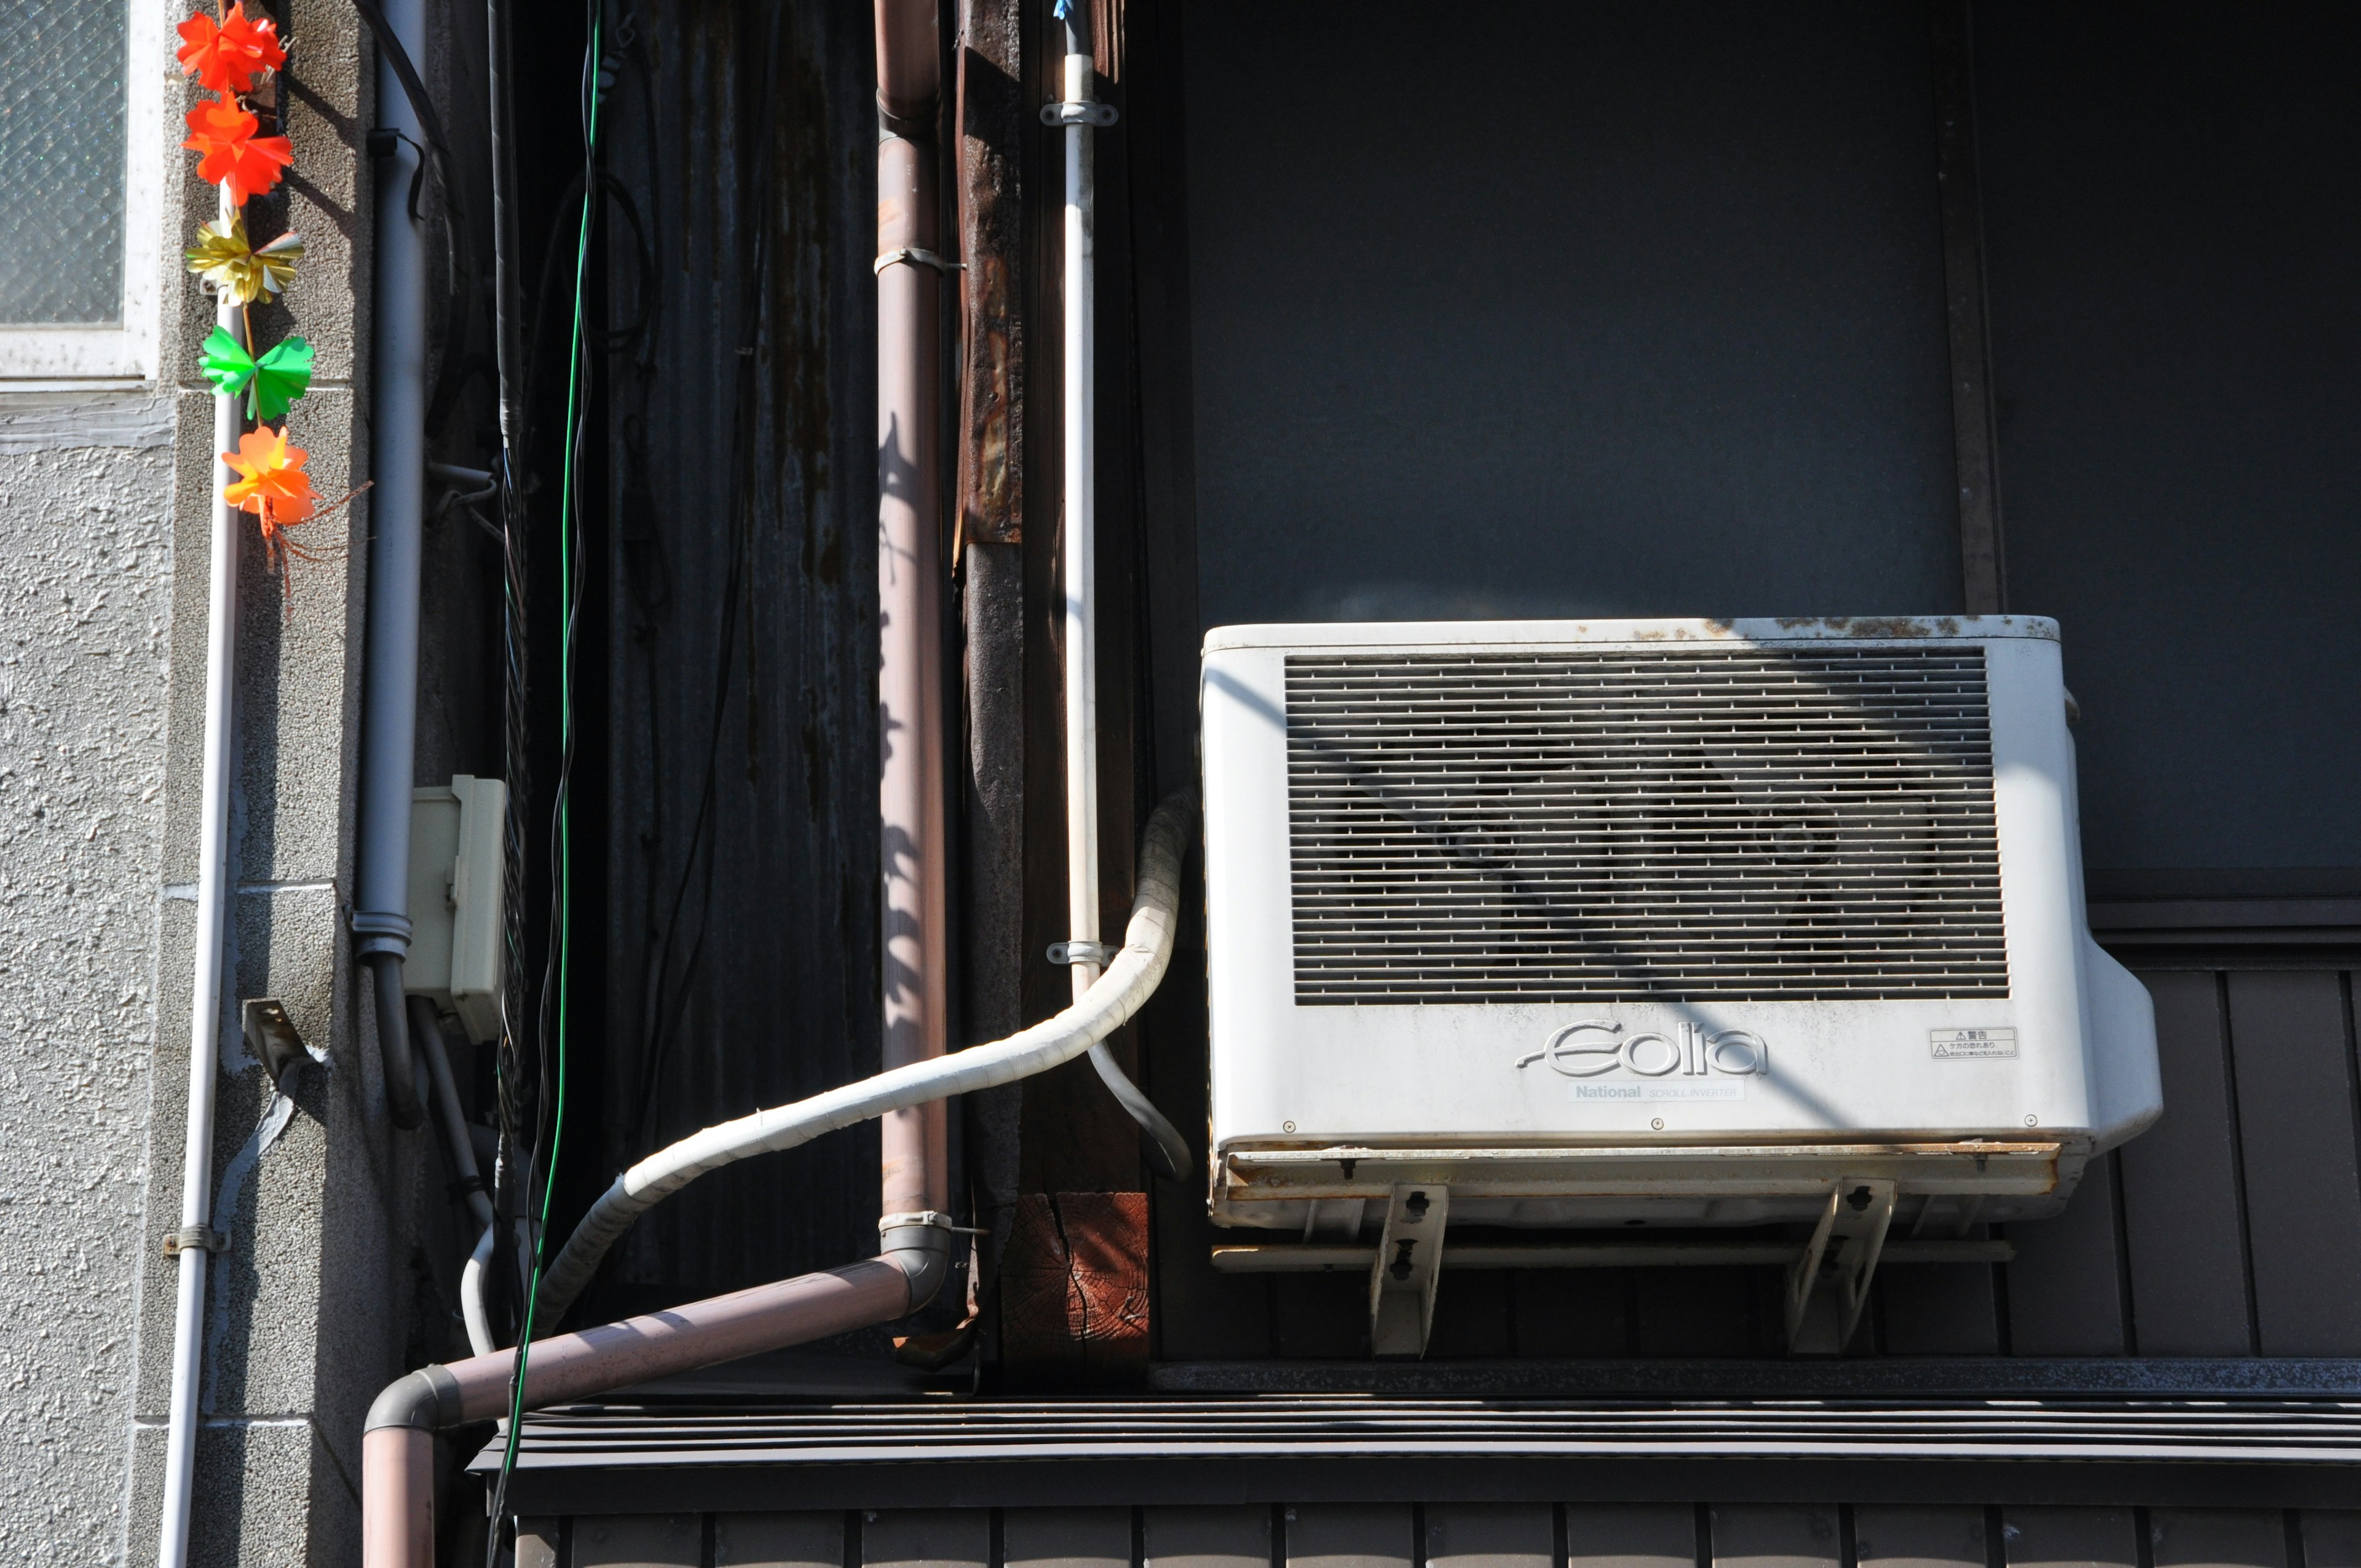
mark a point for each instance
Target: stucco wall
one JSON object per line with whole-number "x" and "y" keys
{"x": 85, "y": 577}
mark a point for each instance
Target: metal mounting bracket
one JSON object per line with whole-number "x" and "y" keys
{"x": 1856, "y": 1218}
{"x": 194, "y": 1238}
{"x": 1088, "y": 112}
{"x": 1063, "y": 954}
{"x": 1408, "y": 1263}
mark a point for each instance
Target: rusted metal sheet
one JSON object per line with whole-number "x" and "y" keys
{"x": 991, "y": 118}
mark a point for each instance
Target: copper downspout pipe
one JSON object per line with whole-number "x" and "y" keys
{"x": 911, "y": 270}
{"x": 397, "y": 1448}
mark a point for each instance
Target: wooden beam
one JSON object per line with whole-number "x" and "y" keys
{"x": 990, "y": 110}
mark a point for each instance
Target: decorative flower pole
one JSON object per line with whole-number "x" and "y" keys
{"x": 227, "y": 58}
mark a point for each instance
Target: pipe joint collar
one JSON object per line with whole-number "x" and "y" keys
{"x": 381, "y": 932}
{"x": 919, "y": 1244}
{"x": 427, "y": 1399}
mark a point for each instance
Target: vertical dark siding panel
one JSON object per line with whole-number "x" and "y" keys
{"x": 2180, "y": 1186}
{"x": 1692, "y": 1312}
{"x": 1777, "y": 1535}
{"x": 1938, "y": 1309}
{"x": 1571, "y": 1312}
{"x": 1490, "y": 1535}
{"x": 780, "y": 1001}
{"x": 2332, "y": 1538}
{"x": 2217, "y": 1538}
{"x": 2295, "y": 1129}
{"x": 778, "y": 1541}
{"x": 2065, "y": 1296}
{"x": 1473, "y": 1315}
{"x": 1320, "y": 1315}
{"x": 1350, "y": 1535}
{"x": 1207, "y": 1537}
{"x": 1633, "y": 1535}
{"x": 2070, "y": 1537}
{"x": 1918, "y": 1538}
{"x": 639, "y": 1540}
{"x": 1065, "y": 1538}
{"x": 926, "y": 1538}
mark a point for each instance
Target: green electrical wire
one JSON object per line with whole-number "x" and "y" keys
{"x": 562, "y": 932}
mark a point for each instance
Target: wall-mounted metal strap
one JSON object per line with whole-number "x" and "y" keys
{"x": 1087, "y": 112}
{"x": 916, "y": 257}
{"x": 1066, "y": 954}
{"x": 933, "y": 1217}
{"x": 194, "y": 1237}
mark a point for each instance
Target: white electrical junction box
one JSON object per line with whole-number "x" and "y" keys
{"x": 457, "y": 892}
{"x": 1684, "y": 922}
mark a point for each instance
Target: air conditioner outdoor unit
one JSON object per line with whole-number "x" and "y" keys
{"x": 1590, "y": 926}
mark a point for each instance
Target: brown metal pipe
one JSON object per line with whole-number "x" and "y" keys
{"x": 910, "y": 60}
{"x": 397, "y": 1450}
{"x": 910, "y": 570}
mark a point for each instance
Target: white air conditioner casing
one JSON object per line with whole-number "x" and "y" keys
{"x": 1669, "y": 922}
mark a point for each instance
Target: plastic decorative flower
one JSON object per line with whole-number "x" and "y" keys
{"x": 241, "y": 272}
{"x": 236, "y": 158}
{"x": 228, "y": 56}
{"x": 271, "y": 384}
{"x": 271, "y": 482}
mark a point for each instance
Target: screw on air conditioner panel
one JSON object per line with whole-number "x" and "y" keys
{"x": 1657, "y": 1123}
{"x": 1286, "y": 1127}
{"x": 2032, "y": 1120}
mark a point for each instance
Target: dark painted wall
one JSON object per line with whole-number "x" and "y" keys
{"x": 2173, "y": 221}
{"x": 1611, "y": 309}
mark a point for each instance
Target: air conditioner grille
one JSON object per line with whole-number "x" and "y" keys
{"x": 1707, "y": 824}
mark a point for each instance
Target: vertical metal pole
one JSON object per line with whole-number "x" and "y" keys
{"x": 1080, "y": 525}
{"x": 205, "y": 987}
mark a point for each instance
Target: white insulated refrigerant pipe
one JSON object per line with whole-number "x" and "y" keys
{"x": 194, "y": 1239}
{"x": 1078, "y": 113}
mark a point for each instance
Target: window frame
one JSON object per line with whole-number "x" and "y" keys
{"x": 122, "y": 353}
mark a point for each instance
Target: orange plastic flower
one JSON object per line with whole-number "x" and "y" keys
{"x": 234, "y": 158}
{"x": 271, "y": 482}
{"x": 228, "y": 56}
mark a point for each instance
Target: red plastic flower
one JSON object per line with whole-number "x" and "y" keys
{"x": 228, "y": 56}
{"x": 234, "y": 158}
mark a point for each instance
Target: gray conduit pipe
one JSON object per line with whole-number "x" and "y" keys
{"x": 398, "y": 1448}
{"x": 390, "y": 679}
{"x": 459, "y": 1148}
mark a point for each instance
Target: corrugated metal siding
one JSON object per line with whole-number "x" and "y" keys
{"x": 740, "y": 552}
{"x": 1459, "y": 1535}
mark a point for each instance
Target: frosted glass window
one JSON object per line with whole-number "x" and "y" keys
{"x": 63, "y": 108}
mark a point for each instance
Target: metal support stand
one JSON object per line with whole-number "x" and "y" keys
{"x": 1857, "y": 1217}
{"x": 1403, "y": 1275}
